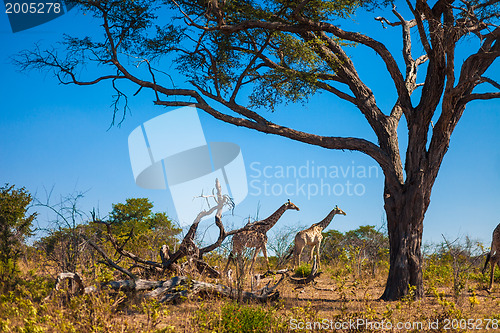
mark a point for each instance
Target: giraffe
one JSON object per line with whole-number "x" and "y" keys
{"x": 494, "y": 254}
{"x": 312, "y": 236}
{"x": 255, "y": 236}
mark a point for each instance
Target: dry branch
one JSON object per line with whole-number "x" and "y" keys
{"x": 181, "y": 287}
{"x": 175, "y": 289}
{"x": 78, "y": 286}
{"x": 188, "y": 247}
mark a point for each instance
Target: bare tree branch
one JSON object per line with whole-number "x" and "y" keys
{"x": 482, "y": 96}
{"x": 110, "y": 262}
{"x": 490, "y": 81}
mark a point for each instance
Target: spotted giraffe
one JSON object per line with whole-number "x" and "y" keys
{"x": 494, "y": 254}
{"x": 255, "y": 236}
{"x": 312, "y": 236}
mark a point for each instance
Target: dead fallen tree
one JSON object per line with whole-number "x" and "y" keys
{"x": 173, "y": 290}
{"x": 271, "y": 273}
{"x": 181, "y": 287}
{"x": 77, "y": 286}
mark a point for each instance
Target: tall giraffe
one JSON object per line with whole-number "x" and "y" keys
{"x": 494, "y": 255}
{"x": 255, "y": 236}
{"x": 312, "y": 236}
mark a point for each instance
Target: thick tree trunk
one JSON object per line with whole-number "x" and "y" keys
{"x": 405, "y": 215}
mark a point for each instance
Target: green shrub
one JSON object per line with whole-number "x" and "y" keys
{"x": 303, "y": 270}
{"x": 234, "y": 317}
{"x": 15, "y": 227}
{"x": 437, "y": 272}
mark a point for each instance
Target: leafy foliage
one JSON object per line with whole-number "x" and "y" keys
{"x": 136, "y": 229}
{"x": 15, "y": 227}
{"x": 212, "y": 60}
{"x": 303, "y": 270}
{"x": 134, "y": 224}
{"x": 373, "y": 243}
{"x": 234, "y": 317}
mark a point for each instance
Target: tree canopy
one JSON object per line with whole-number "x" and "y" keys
{"x": 135, "y": 221}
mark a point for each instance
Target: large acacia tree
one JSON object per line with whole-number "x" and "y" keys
{"x": 239, "y": 57}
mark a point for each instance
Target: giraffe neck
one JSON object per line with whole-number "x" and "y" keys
{"x": 326, "y": 221}
{"x": 271, "y": 220}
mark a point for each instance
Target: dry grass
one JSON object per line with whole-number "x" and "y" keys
{"x": 341, "y": 298}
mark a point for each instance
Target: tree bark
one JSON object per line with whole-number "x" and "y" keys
{"x": 173, "y": 290}
{"x": 405, "y": 211}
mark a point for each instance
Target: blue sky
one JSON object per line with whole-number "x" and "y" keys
{"x": 56, "y": 136}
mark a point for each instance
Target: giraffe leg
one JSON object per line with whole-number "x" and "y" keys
{"x": 488, "y": 258}
{"x": 320, "y": 238}
{"x": 295, "y": 255}
{"x": 494, "y": 260}
{"x": 298, "y": 252}
{"x": 231, "y": 257}
{"x": 497, "y": 262}
{"x": 311, "y": 256}
{"x": 257, "y": 250}
{"x": 264, "y": 252}
{"x": 317, "y": 253}
{"x": 240, "y": 267}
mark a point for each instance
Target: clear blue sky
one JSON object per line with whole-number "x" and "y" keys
{"x": 57, "y": 136}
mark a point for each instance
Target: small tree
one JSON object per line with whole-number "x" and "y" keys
{"x": 464, "y": 255}
{"x": 368, "y": 243}
{"x": 15, "y": 227}
{"x": 332, "y": 244}
{"x": 137, "y": 227}
{"x": 373, "y": 245}
{"x": 281, "y": 243}
{"x": 63, "y": 245}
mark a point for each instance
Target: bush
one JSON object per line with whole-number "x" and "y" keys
{"x": 236, "y": 318}
{"x": 303, "y": 270}
{"x": 367, "y": 246}
{"x": 139, "y": 230}
{"x": 15, "y": 227}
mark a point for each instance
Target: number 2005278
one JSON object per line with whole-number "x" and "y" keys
{"x": 33, "y": 8}
{"x": 471, "y": 324}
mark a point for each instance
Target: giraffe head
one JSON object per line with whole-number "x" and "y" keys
{"x": 290, "y": 205}
{"x": 339, "y": 211}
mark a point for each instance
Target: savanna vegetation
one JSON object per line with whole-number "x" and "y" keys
{"x": 132, "y": 272}
{"x": 345, "y": 297}
{"x": 233, "y": 59}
